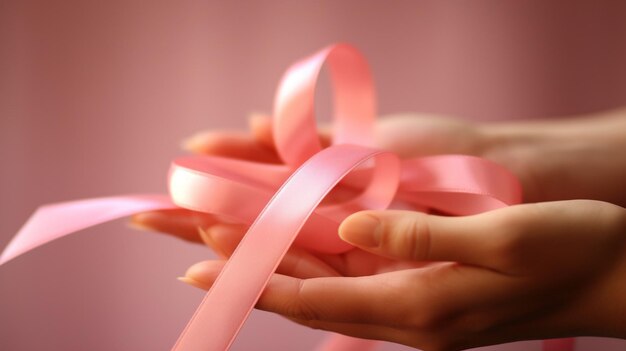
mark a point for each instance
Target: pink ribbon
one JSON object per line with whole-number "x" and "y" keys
{"x": 281, "y": 203}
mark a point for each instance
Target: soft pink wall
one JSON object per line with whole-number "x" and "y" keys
{"x": 95, "y": 97}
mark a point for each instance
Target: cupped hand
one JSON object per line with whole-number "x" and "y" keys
{"x": 406, "y": 135}
{"x": 554, "y": 160}
{"x": 530, "y": 271}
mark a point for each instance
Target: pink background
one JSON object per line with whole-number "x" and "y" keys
{"x": 95, "y": 97}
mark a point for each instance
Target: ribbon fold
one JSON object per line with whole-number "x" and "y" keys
{"x": 281, "y": 203}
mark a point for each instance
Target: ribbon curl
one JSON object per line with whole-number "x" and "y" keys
{"x": 282, "y": 202}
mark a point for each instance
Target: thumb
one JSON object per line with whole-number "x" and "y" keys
{"x": 408, "y": 235}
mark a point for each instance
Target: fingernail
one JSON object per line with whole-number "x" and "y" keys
{"x": 138, "y": 226}
{"x": 190, "y": 143}
{"x": 193, "y": 283}
{"x": 208, "y": 239}
{"x": 205, "y": 271}
{"x": 141, "y": 221}
{"x": 361, "y": 230}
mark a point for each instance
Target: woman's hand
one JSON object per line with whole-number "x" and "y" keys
{"x": 554, "y": 160}
{"x": 531, "y": 271}
{"x": 406, "y": 135}
{"x": 525, "y": 272}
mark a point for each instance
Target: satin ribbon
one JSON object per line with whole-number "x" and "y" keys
{"x": 281, "y": 203}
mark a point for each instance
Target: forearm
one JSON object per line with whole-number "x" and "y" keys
{"x": 580, "y": 157}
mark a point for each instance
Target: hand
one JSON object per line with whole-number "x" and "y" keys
{"x": 406, "y": 135}
{"x": 554, "y": 160}
{"x": 525, "y": 272}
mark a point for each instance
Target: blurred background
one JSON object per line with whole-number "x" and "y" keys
{"x": 96, "y": 96}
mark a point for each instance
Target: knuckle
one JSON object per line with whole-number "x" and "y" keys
{"x": 429, "y": 311}
{"x": 507, "y": 253}
{"x": 510, "y": 238}
{"x": 410, "y": 237}
{"x": 300, "y": 309}
{"x": 428, "y": 317}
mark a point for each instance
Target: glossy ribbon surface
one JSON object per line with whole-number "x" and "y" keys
{"x": 281, "y": 203}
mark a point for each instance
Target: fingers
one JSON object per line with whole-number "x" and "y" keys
{"x": 448, "y": 304}
{"x": 438, "y": 307}
{"x": 329, "y": 299}
{"x": 224, "y": 238}
{"x": 233, "y": 144}
{"x": 180, "y": 222}
{"x": 261, "y": 128}
{"x": 258, "y": 145}
{"x": 416, "y": 307}
{"x": 416, "y": 236}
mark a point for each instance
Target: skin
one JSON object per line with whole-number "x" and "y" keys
{"x": 543, "y": 269}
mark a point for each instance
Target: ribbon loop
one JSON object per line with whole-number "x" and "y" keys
{"x": 295, "y": 132}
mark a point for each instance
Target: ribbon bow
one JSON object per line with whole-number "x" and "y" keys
{"x": 282, "y": 202}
